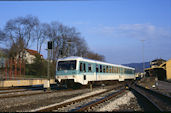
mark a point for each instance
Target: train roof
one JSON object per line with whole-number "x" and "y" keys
{"x": 93, "y": 61}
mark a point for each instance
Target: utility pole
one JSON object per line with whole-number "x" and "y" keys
{"x": 48, "y": 71}
{"x": 143, "y": 54}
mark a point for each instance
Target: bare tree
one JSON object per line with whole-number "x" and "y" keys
{"x": 2, "y": 35}
{"x": 19, "y": 32}
{"x": 95, "y": 56}
{"x": 53, "y": 34}
{"x": 67, "y": 41}
{"x": 40, "y": 35}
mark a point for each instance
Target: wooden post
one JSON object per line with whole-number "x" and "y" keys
{"x": 20, "y": 65}
{"x": 6, "y": 65}
{"x": 24, "y": 67}
{"x": 10, "y": 76}
{"x": 15, "y": 62}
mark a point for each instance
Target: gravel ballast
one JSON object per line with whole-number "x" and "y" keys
{"x": 126, "y": 102}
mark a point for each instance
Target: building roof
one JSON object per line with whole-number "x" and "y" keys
{"x": 158, "y": 60}
{"x": 33, "y": 52}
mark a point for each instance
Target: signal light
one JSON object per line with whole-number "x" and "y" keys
{"x": 50, "y": 44}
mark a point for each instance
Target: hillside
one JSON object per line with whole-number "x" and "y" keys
{"x": 138, "y": 66}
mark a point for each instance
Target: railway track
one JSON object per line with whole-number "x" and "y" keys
{"x": 91, "y": 104}
{"x": 83, "y": 103}
{"x": 19, "y": 89}
{"x": 15, "y": 90}
{"x": 156, "y": 100}
{"x": 12, "y": 91}
{"x": 26, "y": 92}
{"x": 29, "y": 91}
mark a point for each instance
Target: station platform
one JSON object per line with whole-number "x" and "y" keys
{"x": 24, "y": 82}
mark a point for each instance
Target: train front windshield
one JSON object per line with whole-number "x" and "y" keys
{"x": 67, "y": 65}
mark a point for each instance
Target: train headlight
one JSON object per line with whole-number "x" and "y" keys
{"x": 126, "y": 87}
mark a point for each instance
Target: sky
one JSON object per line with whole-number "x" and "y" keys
{"x": 113, "y": 28}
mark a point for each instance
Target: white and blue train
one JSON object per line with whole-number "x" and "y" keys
{"x": 83, "y": 70}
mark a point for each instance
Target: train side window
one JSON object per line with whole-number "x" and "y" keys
{"x": 110, "y": 70}
{"x": 104, "y": 69}
{"x": 114, "y": 69}
{"x": 84, "y": 67}
{"x": 126, "y": 71}
{"x": 81, "y": 66}
{"x": 100, "y": 68}
{"x": 97, "y": 68}
{"x": 107, "y": 69}
{"x": 89, "y": 68}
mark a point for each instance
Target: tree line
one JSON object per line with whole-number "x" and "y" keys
{"x": 21, "y": 32}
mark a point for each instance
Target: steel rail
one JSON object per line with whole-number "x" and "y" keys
{"x": 9, "y": 88}
{"x": 21, "y": 95}
{"x": 30, "y": 94}
{"x": 97, "y": 101}
{"x": 12, "y": 91}
{"x": 160, "y": 101}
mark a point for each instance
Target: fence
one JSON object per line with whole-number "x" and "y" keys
{"x": 12, "y": 69}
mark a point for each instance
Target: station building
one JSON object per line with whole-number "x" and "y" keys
{"x": 159, "y": 68}
{"x": 168, "y": 70}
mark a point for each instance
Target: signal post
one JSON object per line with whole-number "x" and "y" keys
{"x": 50, "y": 47}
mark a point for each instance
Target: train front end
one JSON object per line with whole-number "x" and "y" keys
{"x": 66, "y": 71}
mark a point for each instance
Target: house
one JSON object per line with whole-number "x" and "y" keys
{"x": 29, "y": 55}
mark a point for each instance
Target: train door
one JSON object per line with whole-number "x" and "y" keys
{"x": 97, "y": 70}
{"x": 121, "y": 76}
{"x": 83, "y": 71}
